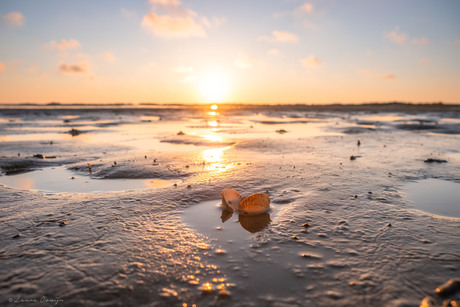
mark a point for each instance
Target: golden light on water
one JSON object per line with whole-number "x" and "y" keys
{"x": 213, "y": 138}
{"x": 213, "y": 123}
{"x": 214, "y": 107}
{"x": 214, "y": 155}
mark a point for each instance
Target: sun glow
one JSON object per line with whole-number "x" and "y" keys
{"x": 214, "y": 86}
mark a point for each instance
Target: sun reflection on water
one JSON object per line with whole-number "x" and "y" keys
{"x": 213, "y": 159}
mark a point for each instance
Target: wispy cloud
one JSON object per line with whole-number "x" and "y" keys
{"x": 280, "y": 36}
{"x": 213, "y": 22}
{"x": 169, "y": 18}
{"x": 127, "y": 13}
{"x": 80, "y": 68}
{"x": 182, "y": 69}
{"x": 14, "y": 19}
{"x": 396, "y": 36}
{"x": 2, "y": 66}
{"x": 388, "y": 76}
{"x": 311, "y": 61}
{"x": 244, "y": 61}
{"x": 187, "y": 73}
{"x": 304, "y": 8}
{"x": 423, "y": 41}
{"x": 273, "y": 52}
{"x": 63, "y": 44}
{"x": 169, "y": 26}
{"x": 109, "y": 57}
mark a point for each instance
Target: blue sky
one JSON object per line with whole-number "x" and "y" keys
{"x": 277, "y": 51}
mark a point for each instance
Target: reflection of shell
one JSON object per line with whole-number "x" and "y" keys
{"x": 226, "y": 214}
{"x": 254, "y": 204}
{"x": 231, "y": 199}
{"x": 254, "y": 223}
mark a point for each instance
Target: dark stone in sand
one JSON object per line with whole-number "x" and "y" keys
{"x": 180, "y": 133}
{"x": 450, "y": 287}
{"x": 281, "y": 131}
{"x": 74, "y": 132}
{"x": 17, "y": 236}
{"x": 432, "y": 160}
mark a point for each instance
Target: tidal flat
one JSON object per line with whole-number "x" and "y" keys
{"x": 120, "y": 205}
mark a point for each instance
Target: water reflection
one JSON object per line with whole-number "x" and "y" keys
{"x": 251, "y": 223}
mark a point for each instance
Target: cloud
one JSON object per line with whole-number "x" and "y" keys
{"x": 304, "y": 8}
{"x": 14, "y": 19}
{"x": 169, "y": 26}
{"x": 182, "y": 69}
{"x": 2, "y": 66}
{"x": 127, "y": 13}
{"x": 280, "y": 36}
{"x": 420, "y": 41}
{"x": 81, "y": 68}
{"x": 214, "y": 22}
{"x": 169, "y": 18}
{"x": 109, "y": 56}
{"x": 63, "y": 45}
{"x": 167, "y": 3}
{"x": 397, "y": 37}
{"x": 311, "y": 61}
{"x": 388, "y": 76}
{"x": 187, "y": 73}
{"x": 273, "y": 52}
{"x": 244, "y": 61}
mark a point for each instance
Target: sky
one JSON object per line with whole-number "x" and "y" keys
{"x": 243, "y": 51}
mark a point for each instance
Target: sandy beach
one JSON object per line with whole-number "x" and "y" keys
{"x": 121, "y": 205}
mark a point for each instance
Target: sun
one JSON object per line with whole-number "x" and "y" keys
{"x": 214, "y": 86}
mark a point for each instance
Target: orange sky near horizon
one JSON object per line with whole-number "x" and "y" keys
{"x": 282, "y": 52}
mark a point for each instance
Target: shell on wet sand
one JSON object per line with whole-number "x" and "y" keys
{"x": 254, "y": 204}
{"x": 231, "y": 199}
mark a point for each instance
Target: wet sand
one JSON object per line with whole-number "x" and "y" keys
{"x": 81, "y": 225}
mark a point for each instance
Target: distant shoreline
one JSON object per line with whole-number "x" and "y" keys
{"x": 377, "y": 106}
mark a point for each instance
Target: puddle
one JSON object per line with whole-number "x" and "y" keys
{"x": 435, "y": 196}
{"x": 230, "y": 229}
{"x": 60, "y": 179}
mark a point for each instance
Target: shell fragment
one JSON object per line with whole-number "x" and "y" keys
{"x": 254, "y": 204}
{"x": 231, "y": 199}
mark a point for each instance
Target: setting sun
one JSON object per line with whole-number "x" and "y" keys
{"x": 214, "y": 86}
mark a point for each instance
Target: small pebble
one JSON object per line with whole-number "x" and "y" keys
{"x": 62, "y": 223}
{"x": 389, "y": 225}
{"x": 450, "y": 287}
{"x": 189, "y": 186}
{"x": 175, "y": 184}
{"x": 352, "y": 157}
{"x": 295, "y": 237}
{"x": 306, "y": 225}
{"x": 359, "y": 143}
{"x": 356, "y": 196}
{"x": 17, "y": 236}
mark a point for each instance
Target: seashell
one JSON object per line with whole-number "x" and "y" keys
{"x": 254, "y": 204}
{"x": 231, "y": 199}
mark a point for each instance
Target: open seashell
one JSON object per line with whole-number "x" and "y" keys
{"x": 231, "y": 199}
{"x": 254, "y": 204}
